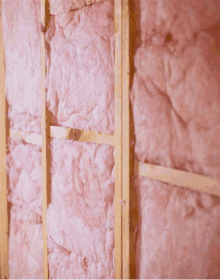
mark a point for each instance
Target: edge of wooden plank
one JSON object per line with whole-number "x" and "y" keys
{"x": 126, "y": 141}
{"x": 4, "y": 265}
{"x": 118, "y": 136}
{"x": 45, "y": 137}
{"x": 179, "y": 178}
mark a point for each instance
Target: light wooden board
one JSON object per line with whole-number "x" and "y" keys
{"x": 118, "y": 136}
{"x": 64, "y": 133}
{"x": 4, "y": 268}
{"x": 154, "y": 172}
{"x": 178, "y": 178}
{"x": 45, "y": 137}
{"x": 81, "y": 135}
{"x": 126, "y": 142}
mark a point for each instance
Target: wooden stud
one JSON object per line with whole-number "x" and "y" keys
{"x": 45, "y": 138}
{"x": 4, "y": 266}
{"x": 118, "y": 136}
{"x": 126, "y": 141}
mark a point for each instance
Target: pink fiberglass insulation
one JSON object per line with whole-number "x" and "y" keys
{"x": 81, "y": 212}
{"x": 22, "y": 52}
{"x": 177, "y": 232}
{"x": 176, "y": 86}
{"x": 175, "y": 101}
{"x": 80, "y": 94}
{"x": 81, "y": 68}
{"x": 21, "y": 28}
{"x": 24, "y": 196}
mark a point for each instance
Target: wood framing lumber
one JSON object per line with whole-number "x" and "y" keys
{"x": 45, "y": 139}
{"x": 81, "y": 135}
{"x": 98, "y": 138}
{"x": 64, "y": 133}
{"x": 4, "y": 266}
{"x": 118, "y": 136}
{"x": 178, "y": 178}
{"x": 126, "y": 142}
{"x": 154, "y": 172}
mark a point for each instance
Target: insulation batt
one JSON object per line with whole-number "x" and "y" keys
{"x": 175, "y": 98}
{"x": 25, "y": 200}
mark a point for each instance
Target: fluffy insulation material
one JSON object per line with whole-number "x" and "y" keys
{"x": 25, "y": 199}
{"x": 21, "y": 26}
{"x": 80, "y": 82}
{"x": 81, "y": 213}
{"x": 175, "y": 98}
{"x": 81, "y": 68}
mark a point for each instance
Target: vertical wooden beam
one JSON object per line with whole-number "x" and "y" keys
{"x": 126, "y": 141}
{"x": 45, "y": 139}
{"x": 118, "y": 139}
{"x": 122, "y": 141}
{"x": 4, "y": 266}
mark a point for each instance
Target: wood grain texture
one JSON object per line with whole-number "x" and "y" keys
{"x": 154, "y": 172}
{"x": 4, "y": 266}
{"x": 81, "y": 135}
{"x": 118, "y": 136}
{"x": 64, "y": 133}
{"x": 178, "y": 178}
{"x": 126, "y": 142}
{"x": 45, "y": 138}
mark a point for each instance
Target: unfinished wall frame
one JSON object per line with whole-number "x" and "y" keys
{"x": 120, "y": 140}
{"x": 155, "y": 172}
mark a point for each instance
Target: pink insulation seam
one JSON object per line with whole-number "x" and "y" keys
{"x": 175, "y": 101}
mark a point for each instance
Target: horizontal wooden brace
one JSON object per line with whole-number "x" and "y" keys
{"x": 178, "y": 177}
{"x": 64, "y": 133}
{"x": 154, "y": 172}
